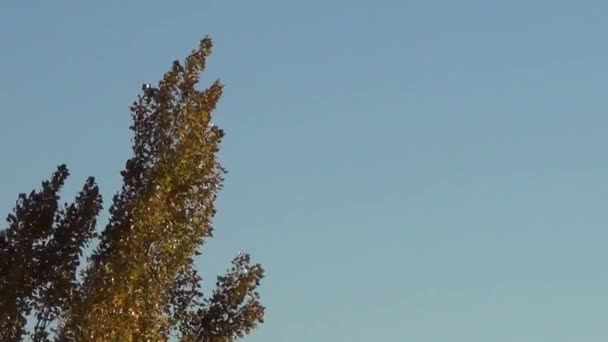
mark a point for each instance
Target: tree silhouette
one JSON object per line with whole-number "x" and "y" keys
{"x": 139, "y": 284}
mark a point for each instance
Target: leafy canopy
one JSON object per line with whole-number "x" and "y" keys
{"x": 140, "y": 283}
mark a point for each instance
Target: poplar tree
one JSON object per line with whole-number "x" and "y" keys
{"x": 139, "y": 282}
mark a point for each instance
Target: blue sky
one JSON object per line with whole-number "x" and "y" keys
{"x": 421, "y": 171}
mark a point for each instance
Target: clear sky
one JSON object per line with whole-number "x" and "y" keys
{"x": 423, "y": 171}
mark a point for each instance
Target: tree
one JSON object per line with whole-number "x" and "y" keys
{"x": 139, "y": 283}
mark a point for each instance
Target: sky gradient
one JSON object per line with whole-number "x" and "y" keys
{"x": 422, "y": 171}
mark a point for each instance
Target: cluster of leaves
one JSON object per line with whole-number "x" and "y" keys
{"x": 140, "y": 283}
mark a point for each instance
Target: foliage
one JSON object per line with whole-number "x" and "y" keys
{"x": 140, "y": 283}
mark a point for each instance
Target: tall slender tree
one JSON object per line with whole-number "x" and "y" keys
{"x": 140, "y": 283}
